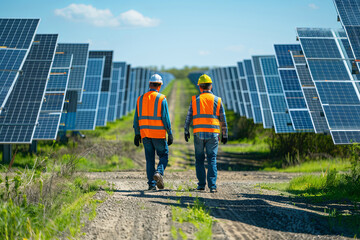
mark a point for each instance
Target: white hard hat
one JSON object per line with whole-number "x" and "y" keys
{"x": 156, "y": 78}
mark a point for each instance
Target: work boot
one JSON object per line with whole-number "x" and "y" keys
{"x": 152, "y": 188}
{"x": 200, "y": 188}
{"x": 159, "y": 180}
{"x": 213, "y": 190}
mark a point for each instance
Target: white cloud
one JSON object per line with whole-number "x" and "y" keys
{"x": 134, "y": 18}
{"x": 313, "y": 6}
{"x": 204, "y": 53}
{"x": 235, "y": 48}
{"x": 104, "y": 17}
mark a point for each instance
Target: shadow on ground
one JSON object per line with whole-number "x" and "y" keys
{"x": 272, "y": 212}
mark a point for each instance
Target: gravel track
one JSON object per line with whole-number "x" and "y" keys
{"x": 242, "y": 210}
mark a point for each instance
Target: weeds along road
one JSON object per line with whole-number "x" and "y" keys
{"x": 240, "y": 210}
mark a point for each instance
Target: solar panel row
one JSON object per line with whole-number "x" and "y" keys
{"x": 46, "y": 87}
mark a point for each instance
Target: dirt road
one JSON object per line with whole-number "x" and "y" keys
{"x": 242, "y": 210}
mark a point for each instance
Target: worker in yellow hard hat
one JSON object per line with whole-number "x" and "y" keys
{"x": 209, "y": 120}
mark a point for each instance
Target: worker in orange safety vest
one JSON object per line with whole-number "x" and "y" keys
{"x": 151, "y": 123}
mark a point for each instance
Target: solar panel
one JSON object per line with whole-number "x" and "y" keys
{"x": 339, "y": 93}
{"x": 119, "y": 72}
{"x": 53, "y": 103}
{"x": 235, "y": 90}
{"x": 253, "y": 92}
{"x": 21, "y": 112}
{"x": 105, "y": 85}
{"x": 127, "y": 90}
{"x": 260, "y": 85}
{"x": 311, "y": 96}
{"x": 294, "y": 97}
{"x": 220, "y": 84}
{"x": 80, "y": 52}
{"x": 114, "y": 93}
{"x": 16, "y": 37}
{"x": 349, "y": 14}
{"x": 131, "y": 104}
{"x": 244, "y": 90}
{"x": 275, "y": 93}
{"x": 87, "y": 111}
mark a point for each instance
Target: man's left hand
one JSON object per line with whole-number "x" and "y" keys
{"x": 170, "y": 139}
{"x": 224, "y": 140}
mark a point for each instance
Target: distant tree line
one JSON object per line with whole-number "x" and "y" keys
{"x": 180, "y": 72}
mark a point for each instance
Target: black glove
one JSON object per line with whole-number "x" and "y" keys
{"x": 137, "y": 140}
{"x": 223, "y": 140}
{"x": 170, "y": 139}
{"x": 187, "y": 136}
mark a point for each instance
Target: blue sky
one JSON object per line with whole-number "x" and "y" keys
{"x": 176, "y": 33}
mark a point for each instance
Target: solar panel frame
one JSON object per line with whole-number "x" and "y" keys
{"x": 87, "y": 111}
{"x": 9, "y": 73}
{"x": 245, "y": 91}
{"x": 80, "y": 52}
{"x": 254, "y": 98}
{"x": 294, "y": 98}
{"x": 101, "y": 118}
{"x": 19, "y": 120}
{"x": 127, "y": 90}
{"x": 276, "y": 96}
{"x": 349, "y": 15}
{"x": 309, "y": 91}
{"x": 263, "y": 97}
{"x": 337, "y": 117}
{"x": 49, "y": 119}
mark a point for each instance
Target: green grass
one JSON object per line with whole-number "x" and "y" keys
{"x": 329, "y": 185}
{"x": 259, "y": 147}
{"x": 115, "y": 163}
{"x": 315, "y": 166}
{"x": 196, "y": 214}
{"x": 32, "y": 212}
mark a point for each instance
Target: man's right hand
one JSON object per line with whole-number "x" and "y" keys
{"x": 137, "y": 140}
{"x": 187, "y": 137}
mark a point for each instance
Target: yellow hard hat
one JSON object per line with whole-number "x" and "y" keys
{"x": 204, "y": 79}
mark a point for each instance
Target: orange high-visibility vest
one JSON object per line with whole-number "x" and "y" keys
{"x": 149, "y": 113}
{"x": 206, "y": 112}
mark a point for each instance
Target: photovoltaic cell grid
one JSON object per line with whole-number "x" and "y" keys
{"x": 121, "y": 66}
{"x": 80, "y": 52}
{"x": 127, "y": 89}
{"x": 338, "y": 92}
{"x": 53, "y": 103}
{"x": 132, "y": 103}
{"x": 295, "y": 100}
{"x": 21, "y": 111}
{"x": 16, "y": 37}
{"x": 115, "y": 82}
{"x": 223, "y": 79}
{"x": 101, "y": 118}
{"x": 87, "y": 111}
{"x": 281, "y": 118}
{"x": 254, "y": 97}
{"x": 311, "y": 97}
{"x": 260, "y": 85}
{"x": 238, "y": 102}
{"x": 349, "y": 13}
{"x": 244, "y": 90}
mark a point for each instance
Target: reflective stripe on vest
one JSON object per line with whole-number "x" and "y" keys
{"x": 206, "y": 112}
{"x": 149, "y": 113}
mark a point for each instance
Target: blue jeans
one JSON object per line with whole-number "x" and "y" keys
{"x": 160, "y": 146}
{"x": 211, "y": 147}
